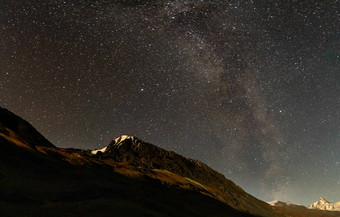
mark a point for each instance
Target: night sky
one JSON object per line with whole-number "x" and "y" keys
{"x": 250, "y": 88}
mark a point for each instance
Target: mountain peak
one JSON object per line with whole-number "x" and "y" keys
{"x": 123, "y": 137}
{"x": 323, "y": 200}
{"x": 273, "y": 203}
{"x": 132, "y": 151}
{"x": 119, "y": 141}
{"x": 278, "y": 203}
{"x": 323, "y": 204}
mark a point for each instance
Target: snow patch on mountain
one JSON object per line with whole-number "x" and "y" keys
{"x": 116, "y": 141}
{"x": 281, "y": 204}
{"x": 273, "y": 203}
{"x": 122, "y": 138}
{"x": 96, "y": 150}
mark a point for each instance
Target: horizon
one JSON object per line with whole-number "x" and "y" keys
{"x": 249, "y": 88}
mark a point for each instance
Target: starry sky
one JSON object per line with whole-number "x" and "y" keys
{"x": 252, "y": 88}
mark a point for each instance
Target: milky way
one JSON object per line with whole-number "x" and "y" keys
{"x": 251, "y": 89}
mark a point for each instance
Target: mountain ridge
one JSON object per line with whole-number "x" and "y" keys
{"x": 9, "y": 122}
{"x": 136, "y": 152}
{"x": 36, "y": 175}
{"x": 129, "y": 177}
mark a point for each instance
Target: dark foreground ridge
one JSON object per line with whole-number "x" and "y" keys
{"x": 127, "y": 178}
{"x": 21, "y": 128}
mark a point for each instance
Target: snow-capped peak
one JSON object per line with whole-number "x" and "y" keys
{"x": 273, "y": 203}
{"x": 116, "y": 141}
{"x": 323, "y": 200}
{"x": 281, "y": 204}
{"x": 323, "y": 204}
{"x": 122, "y": 138}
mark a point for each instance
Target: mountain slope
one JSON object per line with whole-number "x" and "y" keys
{"x": 10, "y": 122}
{"x": 135, "y": 152}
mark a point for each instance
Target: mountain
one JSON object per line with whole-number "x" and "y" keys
{"x": 294, "y": 210}
{"x": 129, "y": 177}
{"x": 282, "y": 204}
{"x": 323, "y": 204}
{"x": 137, "y": 153}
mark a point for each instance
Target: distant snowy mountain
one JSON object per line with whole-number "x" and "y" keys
{"x": 323, "y": 204}
{"x": 282, "y": 204}
{"x": 278, "y": 203}
{"x": 294, "y": 210}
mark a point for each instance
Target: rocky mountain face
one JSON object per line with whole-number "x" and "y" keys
{"x": 323, "y": 204}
